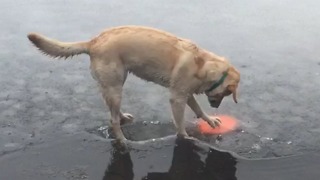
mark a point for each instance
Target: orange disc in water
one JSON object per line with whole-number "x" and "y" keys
{"x": 228, "y": 123}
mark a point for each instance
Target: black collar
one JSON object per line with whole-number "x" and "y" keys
{"x": 218, "y": 83}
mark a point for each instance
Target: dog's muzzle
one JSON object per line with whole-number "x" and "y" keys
{"x": 215, "y": 103}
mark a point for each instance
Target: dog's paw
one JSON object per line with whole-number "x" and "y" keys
{"x": 190, "y": 138}
{"x": 182, "y": 134}
{"x": 126, "y": 118}
{"x": 214, "y": 122}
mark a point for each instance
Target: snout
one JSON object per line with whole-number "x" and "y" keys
{"x": 215, "y": 102}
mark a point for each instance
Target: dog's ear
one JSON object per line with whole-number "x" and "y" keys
{"x": 199, "y": 61}
{"x": 233, "y": 89}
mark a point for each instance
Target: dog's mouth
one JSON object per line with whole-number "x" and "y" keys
{"x": 216, "y": 100}
{"x": 215, "y": 103}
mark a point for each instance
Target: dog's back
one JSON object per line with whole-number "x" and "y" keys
{"x": 148, "y": 53}
{"x": 137, "y": 46}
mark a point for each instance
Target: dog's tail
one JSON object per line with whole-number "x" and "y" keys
{"x": 56, "y": 48}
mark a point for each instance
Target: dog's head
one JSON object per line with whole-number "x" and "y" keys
{"x": 225, "y": 86}
{"x": 223, "y": 79}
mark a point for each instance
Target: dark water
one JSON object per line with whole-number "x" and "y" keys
{"x": 87, "y": 156}
{"x": 193, "y": 160}
{"x": 189, "y": 161}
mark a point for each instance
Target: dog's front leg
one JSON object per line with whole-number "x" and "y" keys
{"x": 195, "y": 107}
{"x": 178, "y": 103}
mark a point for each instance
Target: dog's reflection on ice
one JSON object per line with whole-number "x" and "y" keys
{"x": 190, "y": 162}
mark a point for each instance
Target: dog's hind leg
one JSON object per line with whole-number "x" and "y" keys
{"x": 126, "y": 118}
{"x": 111, "y": 77}
{"x": 112, "y": 98}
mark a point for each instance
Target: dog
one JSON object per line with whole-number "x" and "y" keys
{"x": 153, "y": 55}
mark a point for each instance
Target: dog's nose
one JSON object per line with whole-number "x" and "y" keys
{"x": 215, "y": 103}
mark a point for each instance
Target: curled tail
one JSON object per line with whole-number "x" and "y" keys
{"x": 56, "y": 48}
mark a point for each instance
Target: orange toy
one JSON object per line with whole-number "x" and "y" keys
{"x": 228, "y": 123}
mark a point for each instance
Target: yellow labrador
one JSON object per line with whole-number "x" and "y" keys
{"x": 153, "y": 55}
